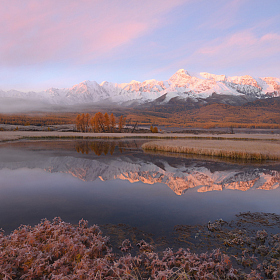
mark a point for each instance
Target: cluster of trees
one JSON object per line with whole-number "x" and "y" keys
{"x": 100, "y": 123}
{"x": 154, "y": 129}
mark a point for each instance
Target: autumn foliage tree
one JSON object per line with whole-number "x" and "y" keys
{"x": 78, "y": 122}
{"x": 106, "y": 122}
{"x": 87, "y": 118}
{"x": 82, "y": 122}
{"x": 93, "y": 123}
{"x": 112, "y": 122}
{"x": 99, "y": 122}
{"x": 121, "y": 123}
{"x": 154, "y": 129}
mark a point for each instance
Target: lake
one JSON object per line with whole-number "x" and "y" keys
{"x": 116, "y": 183}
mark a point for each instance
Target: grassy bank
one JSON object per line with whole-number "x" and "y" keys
{"x": 249, "y": 150}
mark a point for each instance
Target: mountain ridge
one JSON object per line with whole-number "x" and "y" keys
{"x": 182, "y": 86}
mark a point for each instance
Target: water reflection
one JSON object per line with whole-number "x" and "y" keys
{"x": 106, "y": 160}
{"x": 83, "y": 179}
{"x": 105, "y": 147}
{"x": 97, "y": 147}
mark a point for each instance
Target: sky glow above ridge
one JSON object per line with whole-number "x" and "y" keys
{"x": 54, "y": 43}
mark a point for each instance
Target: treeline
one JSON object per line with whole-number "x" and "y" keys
{"x": 100, "y": 123}
{"x": 37, "y": 120}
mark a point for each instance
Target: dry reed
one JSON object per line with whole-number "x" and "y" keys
{"x": 248, "y": 150}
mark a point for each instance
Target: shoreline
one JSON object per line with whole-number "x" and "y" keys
{"x": 36, "y": 135}
{"x": 233, "y": 146}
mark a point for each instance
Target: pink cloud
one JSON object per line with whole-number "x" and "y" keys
{"x": 37, "y": 31}
{"x": 238, "y": 49}
{"x": 236, "y": 41}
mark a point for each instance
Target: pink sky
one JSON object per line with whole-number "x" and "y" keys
{"x": 60, "y": 43}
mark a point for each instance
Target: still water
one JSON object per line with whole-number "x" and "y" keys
{"x": 115, "y": 182}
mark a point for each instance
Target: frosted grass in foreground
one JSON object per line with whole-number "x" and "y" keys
{"x": 248, "y": 150}
{"x": 59, "y": 250}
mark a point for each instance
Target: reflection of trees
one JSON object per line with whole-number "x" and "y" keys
{"x": 112, "y": 148}
{"x": 106, "y": 149}
{"x": 120, "y": 147}
{"x": 98, "y": 147}
{"x": 82, "y": 148}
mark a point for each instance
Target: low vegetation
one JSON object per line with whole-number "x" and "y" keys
{"x": 59, "y": 250}
{"x": 248, "y": 150}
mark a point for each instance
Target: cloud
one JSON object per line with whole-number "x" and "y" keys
{"x": 242, "y": 46}
{"x": 242, "y": 49}
{"x": 34, "y": 32}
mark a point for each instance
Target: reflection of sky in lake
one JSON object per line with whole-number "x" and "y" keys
{"x": 29, "y": 194}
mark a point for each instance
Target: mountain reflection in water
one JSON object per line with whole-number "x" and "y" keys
{"x": 178, "y": 174}
{"x": 93, "y": 180}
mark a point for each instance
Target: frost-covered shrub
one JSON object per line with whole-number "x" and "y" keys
{"x": 59, "y": 250}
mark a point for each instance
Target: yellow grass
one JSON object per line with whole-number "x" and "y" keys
{"x": 249, "y": 150}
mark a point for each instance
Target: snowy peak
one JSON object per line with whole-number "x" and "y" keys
{"x": 217, "y": 78}
{"x": 181, "y": 78}
{"x": 244, "y": 80}
{"x": 272, "y": 86}
{"x": 182, "y": 73}
{"x": 133, "y": 82}
{"x": 182, "y": 85}
{"x": 85, "y": 92}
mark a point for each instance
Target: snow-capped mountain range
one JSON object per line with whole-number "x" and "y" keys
{"x": 182, "y": 85}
